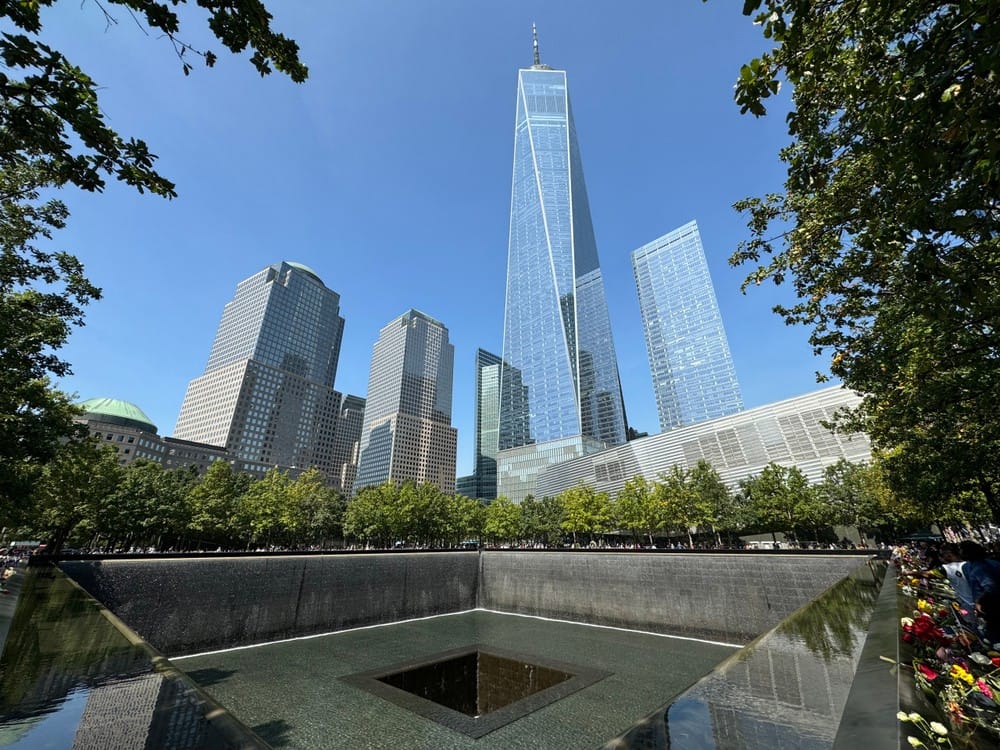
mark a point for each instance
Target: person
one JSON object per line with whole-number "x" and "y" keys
{"x": 982, "y": 573}
{"x": 988, "y": 610}
{"x": 952, "y": 564}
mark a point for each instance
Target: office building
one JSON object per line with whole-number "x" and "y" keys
{"x": 693, "y": 375}
{"x": 126, "y": 428}
{"x": 488, "y": 371}
{"x": 407, "y": 433}
{"x": 267, "y": 394}
{"x": 789, "y": 432}
{"x": 347, "y": 442}
{"x": 560, "y": 394}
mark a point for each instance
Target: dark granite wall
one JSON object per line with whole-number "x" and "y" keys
{"x": 196, "y": 604}
{"x": 732, "y": 598}
{"x": 188, "y": 605}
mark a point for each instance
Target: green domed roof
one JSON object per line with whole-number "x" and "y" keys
{"x": 117, "y": 412}
{"x": 306, "y": 269}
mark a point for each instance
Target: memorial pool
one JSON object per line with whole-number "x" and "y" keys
{"x": 292, "y": 693}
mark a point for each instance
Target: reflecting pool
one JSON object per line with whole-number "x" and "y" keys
{"x": 294, "y": 696}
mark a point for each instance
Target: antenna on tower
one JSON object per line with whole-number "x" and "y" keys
{"x": 534, "y": 39}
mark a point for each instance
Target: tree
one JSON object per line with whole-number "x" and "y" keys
{"x": 372, "y": 515}
{"x": 42, "y": 294}
{"x": 317, "y": 510}
{"x": 503, "y": 521}
{"x": 888, "y": 227}
{"x": 71, "y": 488}
{"x": 586, "y": 511}
{"x": 683, "y": 508}
{"x": 53, "y": 134}
{"x": 147, "y": 506}
{"x": 266, "y": 511}
{"x": 52, "y": 112}
{"x": 465, "y": 519}
{"x": 779, "y": 498}
{"x": 639, "y": 508}
{"x": 214, "y": 504}
{"x": 542, "y": 520}
{"x": 720, "y": 509}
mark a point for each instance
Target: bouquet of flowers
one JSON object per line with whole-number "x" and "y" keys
{"x": 953, "y": 666}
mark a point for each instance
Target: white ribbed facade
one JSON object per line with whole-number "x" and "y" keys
{"x": 787, "y": 432}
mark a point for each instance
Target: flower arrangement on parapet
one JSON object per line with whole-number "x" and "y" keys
{"x": 953, "y": 665}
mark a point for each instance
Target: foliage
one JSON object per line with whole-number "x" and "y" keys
{"x": 640, "y": 508}
{"x": 147, "y": 507}
{"x": 503, "y": 521}
{"x": 720, "y": 509}
{"x": 71, "y": 487}
{"x": 318, "y": 510}
{"x": 780, "y": 499}
{"x": 50, "y": 108}
{"x": 888, "y": 227}
{"x": 418, "y": 514}
{"x": 586, "y": 511}
{"x": 541, "y": 520}
{"x": 215, "y": 503}
{"x": 53, "y": 133}
{"x": 42, "y": 294}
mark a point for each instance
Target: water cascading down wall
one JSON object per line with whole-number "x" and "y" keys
{"x": 188, "y": 605}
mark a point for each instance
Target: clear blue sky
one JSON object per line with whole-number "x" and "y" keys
{"x": 388, "y": 172}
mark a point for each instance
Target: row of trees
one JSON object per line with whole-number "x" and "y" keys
{"x": 55, "y": 134}
{"x": 85, "y": 498}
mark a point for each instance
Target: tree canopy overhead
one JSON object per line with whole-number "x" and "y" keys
{"x": 889, "y": 224}
{"x": 49, "y": 108}
{"x": 54, "y": 134}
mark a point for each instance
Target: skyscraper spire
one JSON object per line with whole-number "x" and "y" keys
{"x": 534, "y": 41}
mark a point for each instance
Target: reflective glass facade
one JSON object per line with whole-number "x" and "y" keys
{"x": 267, "y": 391}
{"x": 487, "y": 423}
{"x": 407, "y": 433}
{"x": 693, "y": 374}
{"x": 560, "y": 374}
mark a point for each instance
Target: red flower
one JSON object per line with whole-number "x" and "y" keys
{"x": 926, "y": 630}
{"x": 927, "y": 672}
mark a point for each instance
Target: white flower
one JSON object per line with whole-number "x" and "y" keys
{"x": 980, "y": 658}
{"x": 914, "y": 741}
{"x": 915, "y": 716}
{"x": 938, "y": 728}
{"x": 904, "y": 621}
{"x": 902, "y": 716}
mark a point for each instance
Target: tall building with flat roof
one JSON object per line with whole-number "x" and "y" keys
{"x": 267, "y": 391}
{"x": 560, "y": 392}
{"x": 347, "y": 441}
{"x": 407, "y": 433}
{"x": 689, "y": 359}
{"x": 488, "y": 371}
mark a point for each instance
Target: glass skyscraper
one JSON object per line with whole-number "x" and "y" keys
{"x": 407, "y": 433}
{"x": 487, "y": 423}
{"x": 693, "y": 375}
{"x": 267, "y": 391}
{"x": 560, "y": 392}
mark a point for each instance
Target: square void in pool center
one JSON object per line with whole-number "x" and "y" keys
{"x": 477, "y": 689}
{"x": 294, "y": 693}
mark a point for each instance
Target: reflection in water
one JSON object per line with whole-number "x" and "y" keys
{"x": 53, "y": 728}
{"x": 786, "y": 690}
{"x": 70, "y": 678}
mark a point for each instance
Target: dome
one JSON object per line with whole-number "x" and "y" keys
{"x": 118, "y": 412}
{"x": 305, "y": 269}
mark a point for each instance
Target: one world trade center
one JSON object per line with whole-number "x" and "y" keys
{"x": 560, "y": 394}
